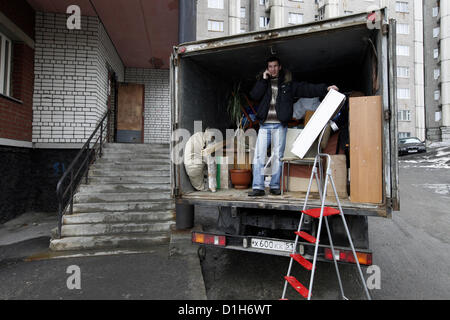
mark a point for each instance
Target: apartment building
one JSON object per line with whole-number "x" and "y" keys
{"x": 213, "y": 20}
{"x": 437, "y": 53}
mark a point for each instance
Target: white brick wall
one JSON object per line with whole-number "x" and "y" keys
{"x": 157, "y": 102}
{"x": 71, "y": 78}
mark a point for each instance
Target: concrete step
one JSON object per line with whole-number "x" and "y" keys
{"x": 97, "y": 229}
{"x": 152, "y": 152}
{"x": 137, "y": 146}
{"x": 129, "y": 179}
{"x": 109, "y": 242}
{"x": 119, "y": 217}
{"x": 114, "y": 156}
{"x": 118, "y": 162}
{"x": 124, "y": 188}
{"x": 160, "y": 195}
{"x": 131, "y": 167}
{"x": 136, "y": 151}
{"x": 135, "y": 206}
{"x": 130, "y": 173}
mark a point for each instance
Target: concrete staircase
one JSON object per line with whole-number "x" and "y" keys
{"x": 127, "y": 203}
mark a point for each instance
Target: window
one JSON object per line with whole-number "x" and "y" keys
{"x": 403, "y": 72}
{"x": 243, "y": 12}
{"x": 321, "y": 14}
{"x": 401, "y": 6}
{"x": 5, "y": 65}
{"x": 263, "y": 22}
{"x": 436, "y": 53}
{"x": 404, "y": 115}
{"x": 295, "y": 18}
{"x": 435, "y": 12}
{"x": 262, "y": 2}
{"x": 409, "y": 140}
{"x": 402, "y": 50}
{"x": 436, "y": 32}
{"x": 214, "y": 25}
{"x": 437, "y": 95}
{"x": 403, "y": 28}
{"x": 347, "y": 12}
{"x": 437, "y": 73}
{"x": 215, "y": 4}
{"x": 404, "y": 135}
{"x": 403, "y": 93}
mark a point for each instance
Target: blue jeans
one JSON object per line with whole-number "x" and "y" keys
{"x": 273, "y": 134}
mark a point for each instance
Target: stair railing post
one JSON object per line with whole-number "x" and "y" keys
{"x": 71, "y": 192}
{"x": 101, "y": 139}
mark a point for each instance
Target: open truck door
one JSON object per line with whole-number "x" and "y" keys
{"x": 392, "y": 60}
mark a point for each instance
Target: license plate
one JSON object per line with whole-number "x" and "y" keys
{"x": 272, "y": 245}
{"x": 412, "y": 151}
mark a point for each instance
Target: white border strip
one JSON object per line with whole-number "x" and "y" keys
{"x": 40, "y": 145}
{"x": 15, "y": 143}
{"x": 13, "y": 28}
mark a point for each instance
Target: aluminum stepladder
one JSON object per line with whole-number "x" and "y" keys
{"x": 319, "y": 213}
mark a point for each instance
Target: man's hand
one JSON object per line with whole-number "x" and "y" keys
{"x": 333, "y": 87}
{"x": 266, "y": 74}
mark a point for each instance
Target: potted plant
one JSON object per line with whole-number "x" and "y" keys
{"x": 241, "y": 174}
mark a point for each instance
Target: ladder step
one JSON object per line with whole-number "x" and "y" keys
{"x": 297, "y": 286}
{"x": 300, "y": 259}
{"x": 327, "y": 211}
{"x": 306, "y": 236}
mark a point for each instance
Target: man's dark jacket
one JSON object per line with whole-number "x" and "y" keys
{"x": 288, "y": 90}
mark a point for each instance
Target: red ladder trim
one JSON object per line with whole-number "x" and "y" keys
{"x": 300, "y": 259}
{"x": 315, "y": 213}
{"x": 306, "y": 236}
{"x": 297, "y": 286}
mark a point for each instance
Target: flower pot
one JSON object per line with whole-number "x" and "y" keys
{"x": 241, "y": 178}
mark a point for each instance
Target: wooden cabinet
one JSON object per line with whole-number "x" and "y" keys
{"x": 366, "y": 171}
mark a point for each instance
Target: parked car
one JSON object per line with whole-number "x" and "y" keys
{"x": 411, "y": 145}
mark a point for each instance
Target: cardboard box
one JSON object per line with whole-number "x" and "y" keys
{"x": 299, "y": 175}
{"x": 339, "y": 173}
{"x": 308, "y": 116}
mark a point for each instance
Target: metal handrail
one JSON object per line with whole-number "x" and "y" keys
{"x": 73, "y": 179}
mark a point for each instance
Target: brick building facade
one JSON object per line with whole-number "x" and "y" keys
{"x": 59, "y": 88}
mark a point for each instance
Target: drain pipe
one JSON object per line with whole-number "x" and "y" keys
{"x": 445, "y": 69}
{"x": 187, "y": 21}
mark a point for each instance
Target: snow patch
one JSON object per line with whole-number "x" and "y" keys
{"x": 439, "y": 188}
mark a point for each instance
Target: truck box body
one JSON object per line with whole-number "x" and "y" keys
{"x": 348, "y": 51}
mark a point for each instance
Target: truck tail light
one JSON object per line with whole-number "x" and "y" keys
{"x": 347, "y": 256}
{"x": 208, "y": 239}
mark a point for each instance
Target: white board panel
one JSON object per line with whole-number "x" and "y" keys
{"x": 332, "y": 102}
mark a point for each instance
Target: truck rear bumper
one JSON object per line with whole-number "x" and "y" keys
{"x": 278, "y": 247}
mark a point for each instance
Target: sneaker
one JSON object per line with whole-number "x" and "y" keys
{"x": 256, "y": 193}
{"x": 275, "y": 192}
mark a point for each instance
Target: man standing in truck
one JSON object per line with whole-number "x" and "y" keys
{"x": 275, "y": 91}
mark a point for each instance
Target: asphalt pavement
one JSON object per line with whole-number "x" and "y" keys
{"x": 412, "y": 251}
{"x": 30, "y": 271}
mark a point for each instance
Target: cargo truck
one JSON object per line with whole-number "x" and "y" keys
{"x": 357, "y": 53}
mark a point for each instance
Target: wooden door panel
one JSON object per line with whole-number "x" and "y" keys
{"x": 130, "y": 113}
{"x": 366, "y": 150}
